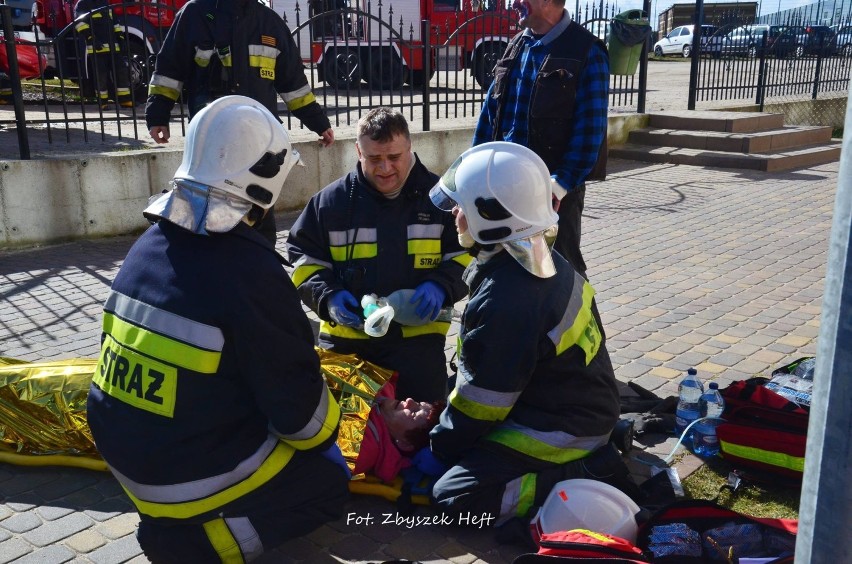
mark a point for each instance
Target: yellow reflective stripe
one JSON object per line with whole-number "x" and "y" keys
{"x": 439, "y": 327}
{"x": 276, "y": 462}
{"x": 223, "y": 541}
{"x": 203, "y": 56}
{"x": 424, "y": 247}
{"x": 161, "y": 347}
{"x": 341, "y": 331}
{"x": 463, "y": 259}
{"x": 296, "y": 94}
{"x": 532, "y": 447}
{"x": 97, "y": 15}
{"x": 584, "y": 331}
{"x": 82, "y": 26}
{"x": 476, "y": 410}
{"x": 526, "y": 497}
{"x": 163, "y": 91}
{"x": 298, "y": 103}
{"x": 332, "y": 417}
{"x": 302, "y": 273}
{"x": 358, "y": 251}
{"x": 135, "y": 379}
{"x": 780, "y": 459}
{"x": 262, "y": 62}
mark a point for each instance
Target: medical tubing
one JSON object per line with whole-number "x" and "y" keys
{"x": 683, "y": 435}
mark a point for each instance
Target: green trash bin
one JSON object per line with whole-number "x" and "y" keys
{"x": 628, "y": 34}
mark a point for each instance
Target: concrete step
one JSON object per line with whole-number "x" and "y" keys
{"x": 729, "y": 122}
{"x": 767, "y": 162}
{"x": 784, "y": 138}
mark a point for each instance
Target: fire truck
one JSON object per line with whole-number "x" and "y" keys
{"x": 377, "y": 41}
{"x": 381, "y": 41}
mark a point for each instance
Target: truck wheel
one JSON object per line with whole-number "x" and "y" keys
{"x": 140, "y": 68}
{"x": 418, "y": 78}
{"x": 341, "y": 68}
{"x": 484, "y": 59}
{"x": 386, "y": 71}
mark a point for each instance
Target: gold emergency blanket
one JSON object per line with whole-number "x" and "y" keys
{"x": 43, "y": 406}
{"x": 353, "y": 383}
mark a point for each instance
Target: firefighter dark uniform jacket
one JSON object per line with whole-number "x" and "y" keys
{"x": 240, "y": 47}
{"x": 100, "y": 30}
{"x": 534, "y": 380}
{"x": 208, "y": 381}
{"x": 551, "y": 123}
{"x": 352, "y": 237}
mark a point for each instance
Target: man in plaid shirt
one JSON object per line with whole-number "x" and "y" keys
{"x": 550, "y": 93}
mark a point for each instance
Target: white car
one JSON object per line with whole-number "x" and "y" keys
{"x": 679, "y": 41}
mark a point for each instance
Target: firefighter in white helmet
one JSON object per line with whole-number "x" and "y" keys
{"x": 207, "y": 403}
{"x": 535, "y": 397}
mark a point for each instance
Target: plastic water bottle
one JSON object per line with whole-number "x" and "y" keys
{"x": 704, "y": 439}
{"x": 688, "y": 409}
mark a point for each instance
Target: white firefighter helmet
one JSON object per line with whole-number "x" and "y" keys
{"x": 505, "y": 192}
{"x": 237, "y": 156}
{"x": 590, "y": 505}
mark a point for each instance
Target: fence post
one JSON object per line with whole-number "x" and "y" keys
{"x": 698, "y": 19}
{"x": 425, "y": 29}
{"x": 643, "y": 64}
{"x": 15, "y": 79}
{"x": 761, "y": 74}
{"x": 818, "y": 69}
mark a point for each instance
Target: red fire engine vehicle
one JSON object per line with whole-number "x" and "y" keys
{"x": 381, "y": 42}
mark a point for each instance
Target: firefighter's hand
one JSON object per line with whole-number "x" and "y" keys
{"x": 333, "y": 454}
{"x": 341, "y": 308}
{"x": 327, "y": 137}
{"x": 431, "y": 297}
{"x": 160, "y": 133}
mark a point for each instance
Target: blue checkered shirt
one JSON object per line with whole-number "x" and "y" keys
{"x": 590, "y": 106}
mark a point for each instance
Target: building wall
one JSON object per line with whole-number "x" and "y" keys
{"x": 714, "y": 14}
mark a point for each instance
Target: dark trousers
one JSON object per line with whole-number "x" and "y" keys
{"x": 420, "y": 361}
{"x": 568, "y": 237}
{"x": 103, "y": 63}
{"x": 309, "y": 492}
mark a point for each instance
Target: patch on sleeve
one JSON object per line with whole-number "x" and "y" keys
{"x": 267, "y": 40}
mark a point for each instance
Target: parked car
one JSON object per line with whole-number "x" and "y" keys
{"x": 679, "y": 41}
{"x": 748, "y": 40}
{"x": 814, "y": 39}
{"x": 843, "y": 41}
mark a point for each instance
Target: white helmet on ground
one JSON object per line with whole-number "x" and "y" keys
{"x": 505, "y": 192}
{"x": 237, "y": 156}
{"x": 590, "y": 505}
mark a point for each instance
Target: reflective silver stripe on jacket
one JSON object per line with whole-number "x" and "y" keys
{"x": 246, "y": 536}
{"x": 575, "y": 303}
{"x": 165, "y": 323}
{"x": 296, "y": 94}
{"x": 306, "y": 260}
{"x": 340, "y": 238}
{"x": 556, "y": 439}
{"x": 198, "y": 489}
{"x": 166, "y": 82}
{"x": 484, "y": 396}
{"x": 431, "y": 231}
{"x": 203, "y": 56}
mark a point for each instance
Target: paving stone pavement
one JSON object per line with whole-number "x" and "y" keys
{"x": 718, "y": 269}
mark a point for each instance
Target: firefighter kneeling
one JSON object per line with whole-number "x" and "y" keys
{"x": 208, "y": 403}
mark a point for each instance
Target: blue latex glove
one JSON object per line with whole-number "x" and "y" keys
{"x": 426, "y": 462}
{"x": 340, "y": 308}
{"x": 334, "y": 455}
{"x": 431, "y": 297}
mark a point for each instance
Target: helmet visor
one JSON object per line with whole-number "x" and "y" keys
{"x": 440, "y": 198}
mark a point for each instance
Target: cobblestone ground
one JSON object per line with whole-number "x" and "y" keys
{"x": 718, "y": 269}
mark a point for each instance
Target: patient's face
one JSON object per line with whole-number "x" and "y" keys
{"x": 404, "y": 416}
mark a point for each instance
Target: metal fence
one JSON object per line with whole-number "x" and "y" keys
{"x": 780, "y": 61}
{"x": 355, "y": 60}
